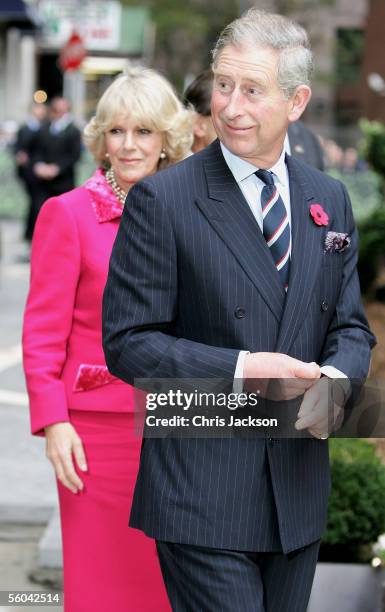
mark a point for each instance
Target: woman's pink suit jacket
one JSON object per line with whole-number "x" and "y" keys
{"x": 62, "y": 338}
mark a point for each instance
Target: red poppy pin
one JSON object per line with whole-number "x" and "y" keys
{"x": 318, "y": 214}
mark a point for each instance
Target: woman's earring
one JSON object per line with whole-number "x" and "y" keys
{"x": 107, "y": 155}
{"x": 162, "y": 154}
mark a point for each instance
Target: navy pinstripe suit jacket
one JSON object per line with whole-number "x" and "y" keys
{"x": 188, "y": 254}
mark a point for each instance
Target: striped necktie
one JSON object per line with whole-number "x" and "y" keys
{"x": 276, "y": 229}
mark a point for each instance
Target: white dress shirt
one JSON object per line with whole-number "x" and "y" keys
{"x": 251, "y": 187}
{"x": 59, "y": 125}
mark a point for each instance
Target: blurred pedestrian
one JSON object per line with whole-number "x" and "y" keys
{"x": 351, "y": 163}
{"x": 333, "y": 155}
{"x": 59, "y": 148}
{"x": 302, "y": 143}
{"x": 24, "y": 148}
{"x": 86, "y": 414}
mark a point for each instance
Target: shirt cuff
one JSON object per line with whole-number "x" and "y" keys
{"x": 238, "y": 374}
{"x": 340, "y": 378}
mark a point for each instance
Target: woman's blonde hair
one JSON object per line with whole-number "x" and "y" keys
{"x": 147, "y": 97}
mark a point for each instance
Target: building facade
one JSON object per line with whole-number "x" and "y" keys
{"x": 30, "y": 49}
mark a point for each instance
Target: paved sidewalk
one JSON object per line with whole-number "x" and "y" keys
{"x": 19, "y": 569}
{"x": 27, "y": 487}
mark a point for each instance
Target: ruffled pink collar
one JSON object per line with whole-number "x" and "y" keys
{"x": 104, "y": 202}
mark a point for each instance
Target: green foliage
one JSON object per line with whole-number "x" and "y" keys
{"x": 350, "y": 450}
{"x": 372, "y": 241}
{"x": 357, "y": 502}
{"x": 13, "y": 201}
{"x": 350, "y": 47}
{"x": 372, "y": 227}
{"x": 373, "y": 145}
{"x": 364, "y": 191}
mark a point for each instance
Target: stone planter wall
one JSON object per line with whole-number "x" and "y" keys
{"x": 347, "y": 587}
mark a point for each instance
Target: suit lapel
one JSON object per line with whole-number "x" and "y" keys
{"x": 229, "y": 214}
{"x": 306, "y": 256}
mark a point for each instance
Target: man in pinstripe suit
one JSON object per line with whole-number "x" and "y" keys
{"x": 198, "y": 287}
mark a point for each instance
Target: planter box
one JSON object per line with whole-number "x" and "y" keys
{"x": 347, "y": 587}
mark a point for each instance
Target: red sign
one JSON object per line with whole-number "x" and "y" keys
{"x": 73, "y": 53}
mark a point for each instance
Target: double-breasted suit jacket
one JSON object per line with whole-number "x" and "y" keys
{"x": 188, "y": 258}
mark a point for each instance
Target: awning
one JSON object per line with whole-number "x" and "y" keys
{"x": 17, "y": 11}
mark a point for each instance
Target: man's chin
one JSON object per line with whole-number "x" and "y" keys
{"x": 237, "y": 148}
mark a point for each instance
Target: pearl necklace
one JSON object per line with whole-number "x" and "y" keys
{"x": 118, "y": 191}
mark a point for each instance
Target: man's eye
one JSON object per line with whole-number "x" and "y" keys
{"x": 223, "y": 86}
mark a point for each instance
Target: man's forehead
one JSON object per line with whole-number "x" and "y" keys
{"x": 247, "y": 60}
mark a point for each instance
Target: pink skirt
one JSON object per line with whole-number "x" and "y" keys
{"x": 107, "y": 565}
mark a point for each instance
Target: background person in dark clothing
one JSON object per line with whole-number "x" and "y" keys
{"x": 24, "y": 149}
{"x": 59, "y": 149}
{"x": 304, "y": 145}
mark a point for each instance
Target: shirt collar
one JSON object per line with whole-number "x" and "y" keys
{"x": 33, "y": 124}
{"x": 59, "y": 125}
{"x": 242, "y": 169}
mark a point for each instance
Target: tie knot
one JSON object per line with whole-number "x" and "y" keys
{"x": 265, "y": 176}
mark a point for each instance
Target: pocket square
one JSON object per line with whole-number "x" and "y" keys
{"x": 91, "y": 377}
{"x": 336, "y": 242}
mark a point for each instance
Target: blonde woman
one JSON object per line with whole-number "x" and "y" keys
{"x": 85, "y": 413}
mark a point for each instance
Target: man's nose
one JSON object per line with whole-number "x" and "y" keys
{"x": 235, "y": 104}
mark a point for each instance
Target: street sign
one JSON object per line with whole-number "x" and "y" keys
{"x": 73, "y": 53}
{"x": 97, "y": 21}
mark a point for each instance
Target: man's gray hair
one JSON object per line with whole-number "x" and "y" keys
{"x": 262, "y": 29}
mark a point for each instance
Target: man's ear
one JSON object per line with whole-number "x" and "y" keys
{"x": 298, "y": 102}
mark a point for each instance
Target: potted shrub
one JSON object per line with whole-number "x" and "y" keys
{"x": 345, "y": 579}
{"x": 373, "y": 146}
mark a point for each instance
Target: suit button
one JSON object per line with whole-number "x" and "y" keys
{"x": 240, "y": 312}
{"x": 324, "y": 305}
